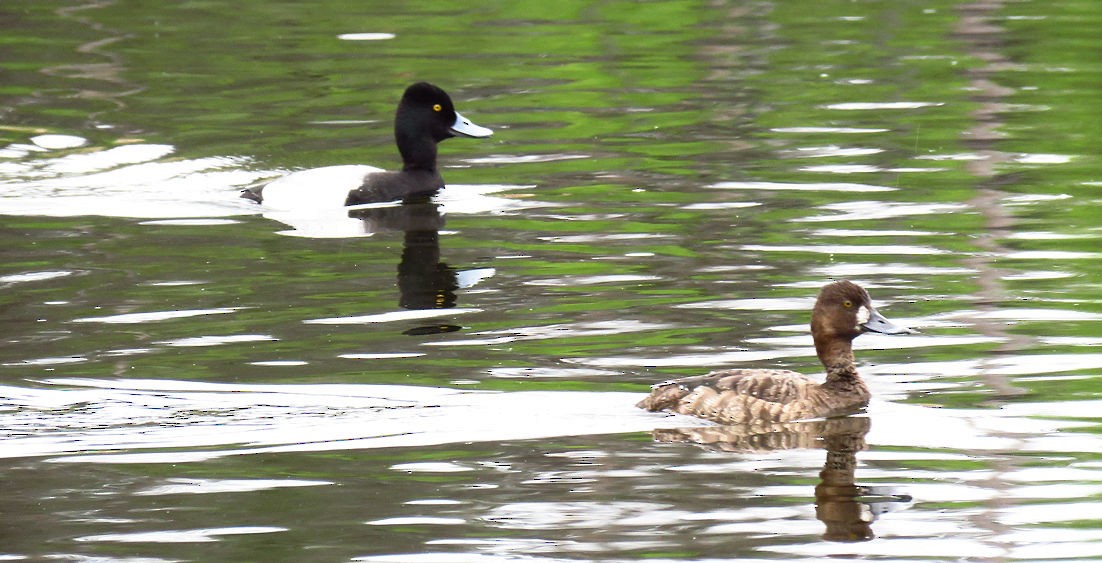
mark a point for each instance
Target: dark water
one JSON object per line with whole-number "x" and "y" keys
{"x": 185, "y": 378}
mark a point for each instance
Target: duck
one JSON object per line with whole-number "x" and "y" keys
{"x": 843, "y": 311}
{"x": 425, "y": 116}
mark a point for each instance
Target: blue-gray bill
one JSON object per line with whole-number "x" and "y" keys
{"x": 466, "y": 128}
{"x": 877, "y": 323}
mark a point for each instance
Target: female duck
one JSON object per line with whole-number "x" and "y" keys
{"x": 425, "y": 117}
{"x": 842, "y": 312}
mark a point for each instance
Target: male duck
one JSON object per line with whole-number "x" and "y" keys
{"x": 425, "y": 116}
{"x": 842, "y": 312}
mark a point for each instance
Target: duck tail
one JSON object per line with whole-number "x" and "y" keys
{"x": 663, "y": 396}
{"x": 249, "y": 193}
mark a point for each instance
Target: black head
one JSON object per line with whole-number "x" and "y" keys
{"x": 426, "y": 116}
{"x": 425, "y": 110}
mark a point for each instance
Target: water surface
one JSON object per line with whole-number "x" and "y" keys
{"x": 186, "y": 377}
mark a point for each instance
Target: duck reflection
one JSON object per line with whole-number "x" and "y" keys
{"x": 846, "y": 508}
{"x": 424, "y": 280}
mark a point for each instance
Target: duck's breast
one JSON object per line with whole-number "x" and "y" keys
{"x": 382, "y": 187}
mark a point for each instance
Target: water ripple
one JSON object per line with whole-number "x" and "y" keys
{"x": 35, "y": 276}
{"x": 181, "y": 536}
{"x": 810, "y": 187}
{"x": 164, "y": 421}
{"x": 870, "y": 210}
{"x": 563, "y": 330}
{"x": 188, "y": 486}
{"x": 886, "y": 250}
{"x": 859, "y": 106}
{"x": 155, "y": 316}
{"x": 393, "y": 316}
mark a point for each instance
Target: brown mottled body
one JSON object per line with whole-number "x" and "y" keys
{"x": 743, "y": 396}
{"x": 752, "y": 396}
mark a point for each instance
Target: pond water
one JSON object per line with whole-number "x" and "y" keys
{"x": 184, "y": 376}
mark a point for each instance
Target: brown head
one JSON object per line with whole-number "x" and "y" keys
{"x": 843, "y": 312}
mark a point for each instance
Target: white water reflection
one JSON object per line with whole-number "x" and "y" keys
{"x": 560, "y": 330}
{"x": 1027, "y": 158}
{"x": 844, "y": 130}
{"x": 58, "y": 142}
{"x": 898, "y": 548}
{"x": 430, "y": 467}
{"x": 181, "y": 536}
{"x": 135, "y": 180}
{"x": 154, "y": 316}
{"x": 142, "y": 181}
{"x": 381, "y": 356}
{"x": 34, "y": 276}
{"x": 722, "y": 205}
{"x": 1038, "y": 276}
{"x": 173, "y": 422}
{"x": 524, "y": 158}
{"x": 192, "y": 421}
{"x": 756, "y": 304}
{"x": 556, "y": 373}
{"x": 1052, "y": 255}
{"x": 366, "y": 36}
{"x": 393, "y": 316}
{"x": 869, "y": 233}
{"x": 831, "y": 151}
{"x": 809, "y": 187}
{"x": 1020, "y": 364}
{"x": 854, "y": 269}
{"x": 570, "y": 281}
{"x": 51, "y": 361}
{"x": 956, "y": 156}
{"x": 314, "y": 203}
{"x": 788, "y": 347}
{"x": 847, "y": 249}
{"x": 117, "y": 419}
{"x": 871, "y": 210}
{"x": 187, "y": 486}
{"x": 203, "y": 341}
{"x": 704, "y": 360}
{"x": 1028, "y": 199}
{"x": 191, "y": 222}
{"x": 859, "y": 106}
{"x": 1024, "y": 314}
{"x": 604, "y": 237}
{"x": 416, "y": 521}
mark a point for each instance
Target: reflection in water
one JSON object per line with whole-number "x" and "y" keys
{"x": 424, "y": 280}
{"x": 847, "y": 509}
{"x": 986, "y": 41}
{"x": 110, "y": 70}
{"x": 167, "y": 421}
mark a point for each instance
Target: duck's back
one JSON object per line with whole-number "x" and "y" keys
{"x": 744, "y": 396}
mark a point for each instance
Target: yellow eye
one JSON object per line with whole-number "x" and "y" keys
{"x": 437, "y": 107}
{"x": 847, "y": 304}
